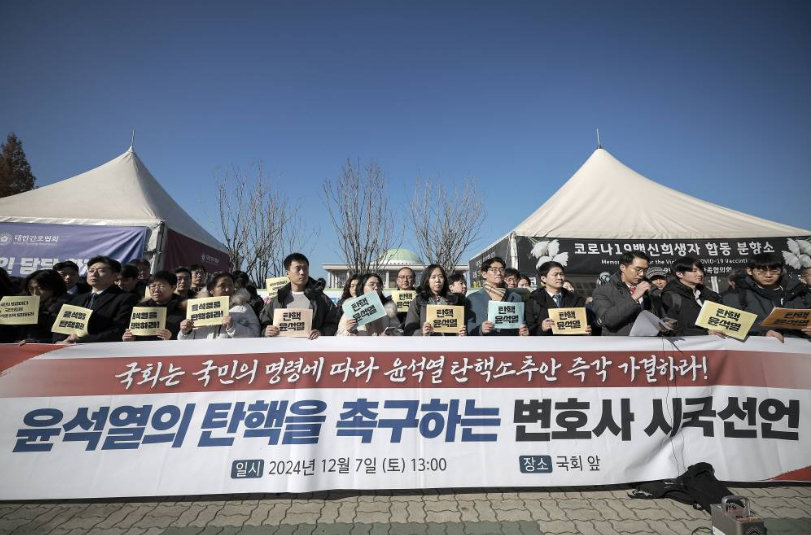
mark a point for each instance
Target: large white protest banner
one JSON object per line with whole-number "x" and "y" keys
{"x": 114, "y": 419}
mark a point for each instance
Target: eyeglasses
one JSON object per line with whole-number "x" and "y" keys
{"x": 637, "y": 269}
{"x": 495, "y": 270}
{"x": 405, "y": 277}
{"x": 157, "y": 287}
{"x": 769, "y": 269}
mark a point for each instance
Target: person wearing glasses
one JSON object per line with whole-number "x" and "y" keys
{"x": 388, "y": 325}
{"x": 161, "y": 287}
{"x": 764, "y": 286}
{"x": 619, "y": 301}
{"x": 405, "y": 281}
{"x": 683, "y": 297}
{"x": 495, "y": 289}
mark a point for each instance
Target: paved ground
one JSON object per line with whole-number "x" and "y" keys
{"x": 602, "y": 510}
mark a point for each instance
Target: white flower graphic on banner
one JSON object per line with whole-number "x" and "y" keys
{"x": 798, "y": 255}
{"x": 549, "y": 251}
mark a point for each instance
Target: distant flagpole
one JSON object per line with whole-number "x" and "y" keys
{"x": 132, "y": 141}
{"x": 599, "y": 145}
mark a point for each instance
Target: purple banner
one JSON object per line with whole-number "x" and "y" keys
{"x": 27, "y": 247}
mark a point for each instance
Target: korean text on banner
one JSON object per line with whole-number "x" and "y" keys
{"x": 293, "y": 322}
{"x": 21, "y": 310}
{"x": 207, "y": 311}
{"x": 445, "y": 318}
{"x": 273, "y": 284}
{"x": 505, "y": 315}
{"x": 788, "y": 318}
{"x": 365, "y": 308}
{"x": 147, "y": 321}
{"x": 568, "y": 320}
{"x": 403, "y": 298}
{"x": 404, "y": 413}
{"x": 72, "y": 320}
{"x": 731, "y": 321}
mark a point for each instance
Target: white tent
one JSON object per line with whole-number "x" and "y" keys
{"x": 607, "y": 207}
{"x": 121, "y": 192}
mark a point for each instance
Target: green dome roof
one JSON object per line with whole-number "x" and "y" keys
{"x": 400, "y": 257}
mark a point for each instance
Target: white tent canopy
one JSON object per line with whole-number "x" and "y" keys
{"x": 605, "y": 205}
{"x": 120, "y": 192}
{"x": 605, "y": 199}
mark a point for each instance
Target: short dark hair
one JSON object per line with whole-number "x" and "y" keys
{"x": 456, "y": 277}
{"x": 129, "y": 271}
{"x": 408, "y": 268}
{"x": 365, "y": 277}
{"x": 182, "y": 269}
{"x": 66, "y": 264}
{"x": 295, "y": 257}
{"x": 511, "y": 272}
{"x": 241, "y": 279}
{"x": 48, "y": 279}
{"x": 490, "y": 261}
{"x": 627, "y": 257}
{"x": 214, "y": 278}
{"x": 523, "y": 277}
{"x": 197, "y": 267}
{"x": 166, "y": 276}
{"x": 543, "y": 271}
{"x": 765, "y": 260}
{"x": 140, "y": 262}
{"x": 115, "y": 265}
{"x": 686, "y": 263}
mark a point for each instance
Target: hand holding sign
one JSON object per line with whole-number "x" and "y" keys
{"x": 72, "y": 320}
{"x": 365, "y": 308}
{"x": 730, "y": 321}
{"x": 505, "y": 315}
{"x": 293, "y": 322}
{"x": 568, "y": 321}
{"x": 444, "y": 319}
{"x": 207, "y": 311}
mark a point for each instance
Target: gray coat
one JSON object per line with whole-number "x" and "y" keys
{"x": 614, "y": 307}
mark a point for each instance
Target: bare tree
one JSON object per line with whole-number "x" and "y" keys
{"x": 365, "y": 226}
{"x": 256, "y": 220}
{"x": 446, "y": 222}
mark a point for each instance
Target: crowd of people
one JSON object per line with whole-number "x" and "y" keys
{"x": 111, "y": 291}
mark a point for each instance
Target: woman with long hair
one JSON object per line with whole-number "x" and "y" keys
{"x": 433, "y": 290}
{"x": 52, "y": 292}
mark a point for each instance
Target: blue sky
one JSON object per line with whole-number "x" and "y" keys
{"x": 711, "y": 98}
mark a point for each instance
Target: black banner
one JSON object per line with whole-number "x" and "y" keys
{"x": 719, "y": 256}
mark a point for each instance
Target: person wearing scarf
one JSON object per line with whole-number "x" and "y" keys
{"x": 494, "y": 290}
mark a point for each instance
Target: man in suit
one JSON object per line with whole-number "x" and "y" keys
{"x": 551, "y": 294}
{"x": 619, "y": 301}
{"x": 111, "y": 305}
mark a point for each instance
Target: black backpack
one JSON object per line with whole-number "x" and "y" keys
{"x": 697, "y": 487}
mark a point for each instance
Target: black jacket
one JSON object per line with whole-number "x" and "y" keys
{"x": 749, "y": 296}
{"x": 111, "y": 315}
{"x": 678, "y": 303}
{"x": 175, "y": 313}
{"x": 325, "y": 314}
{"x": 540, "y": 302}
{"x": 41, "y": 331}
{"x": 417, "y": 312}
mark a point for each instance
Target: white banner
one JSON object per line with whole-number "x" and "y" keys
{"x": 229, "y": 416}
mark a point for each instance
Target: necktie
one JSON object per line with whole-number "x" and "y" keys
{"x": 92, "y": 300}
{"x": 557, "y": 298}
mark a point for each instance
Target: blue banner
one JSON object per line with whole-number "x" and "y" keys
{"x": 27, "y": 247}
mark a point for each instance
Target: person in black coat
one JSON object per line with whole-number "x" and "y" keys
{"x": 550, "y": 294}
{"x": 433, "y": 290}
{"x": 111, "y": 305}
{"x": 619, "y": 301}
{"x": 49, "y": 286}
{"x": 162, "y": 286}
{"x": 683, "y": 296}
{"x": 767, "y": 285}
